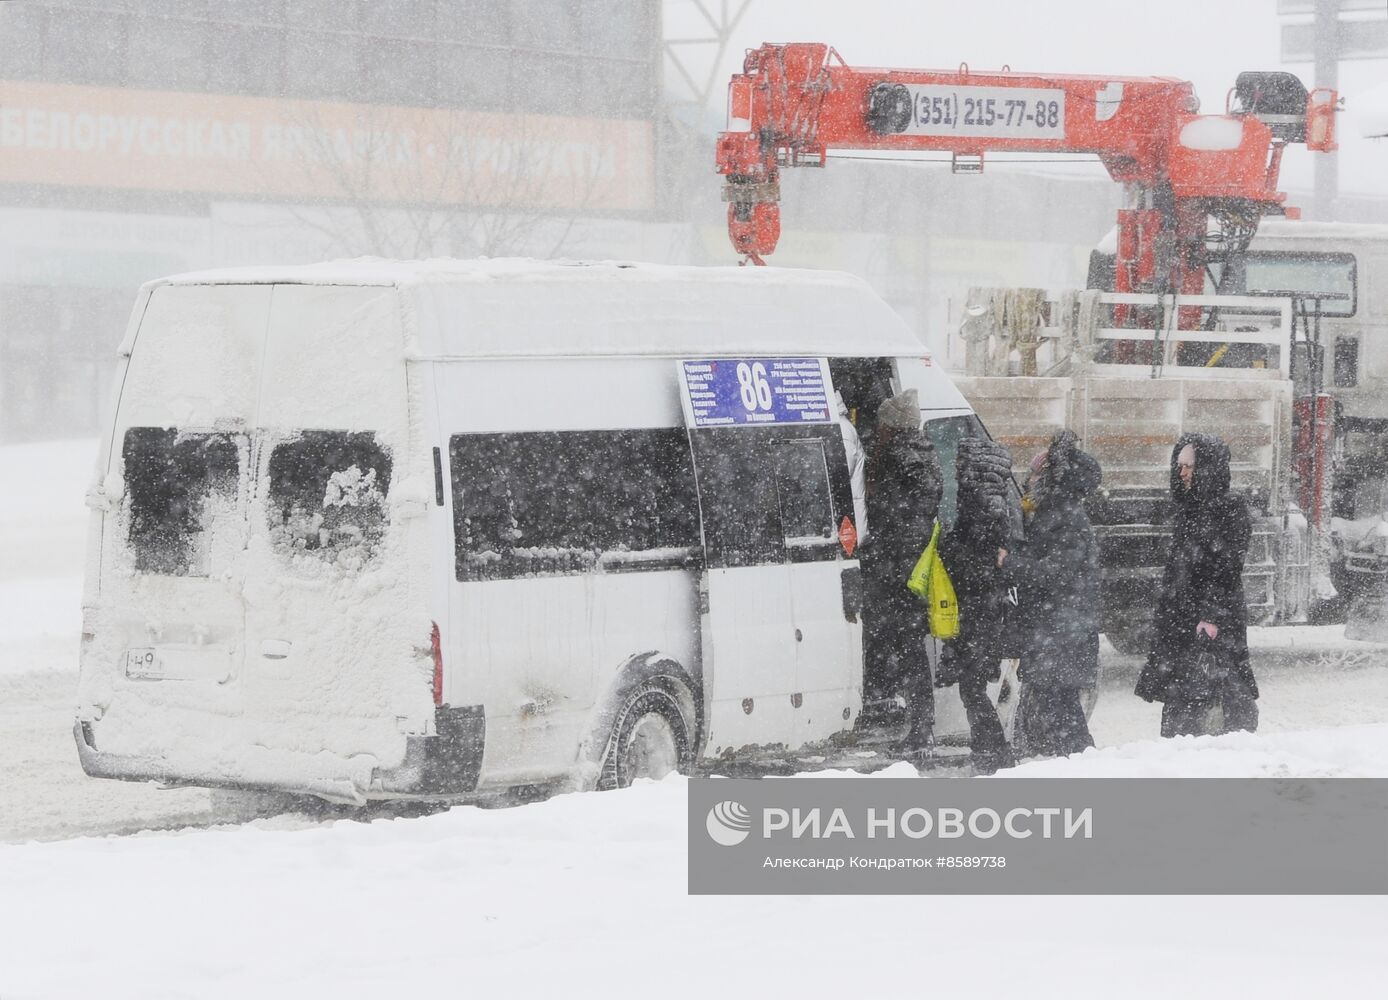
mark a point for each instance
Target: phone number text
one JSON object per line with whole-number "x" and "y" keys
{"x": 1000, "y": 112}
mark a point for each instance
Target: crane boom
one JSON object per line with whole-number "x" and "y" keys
{"x": 793, "y": 103}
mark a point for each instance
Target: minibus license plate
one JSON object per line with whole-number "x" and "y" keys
{"x": 143, "y": 663}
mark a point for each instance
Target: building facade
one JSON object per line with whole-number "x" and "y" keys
{"x": 144, "y": 137}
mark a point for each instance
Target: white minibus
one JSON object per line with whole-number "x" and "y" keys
{"x": 372, "y": 530}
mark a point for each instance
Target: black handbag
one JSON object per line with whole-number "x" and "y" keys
{"x": 1211, "y": 662}
{"x": 1207, "y": 671}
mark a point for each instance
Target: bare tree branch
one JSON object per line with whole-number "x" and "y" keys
{"x": 407, "y": 182}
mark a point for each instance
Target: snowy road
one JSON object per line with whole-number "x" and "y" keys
{"x": 1311, "y": 678}
{"x": 44, "y": 794}
{"x": 586, "y": 895}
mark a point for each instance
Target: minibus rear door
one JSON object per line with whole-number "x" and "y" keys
{"x": 326, "y": 601}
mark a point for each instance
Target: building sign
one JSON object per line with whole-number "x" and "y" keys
{"x": 749, "y": 391}
{"x": 259, "y": 147}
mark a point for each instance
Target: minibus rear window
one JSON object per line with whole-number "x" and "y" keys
{"x": 179, "y": 485}
{"x": 327, "y": 498}
{"x": 567, "y": 502}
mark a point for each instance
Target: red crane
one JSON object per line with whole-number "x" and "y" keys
{"x": 793, "y": 103}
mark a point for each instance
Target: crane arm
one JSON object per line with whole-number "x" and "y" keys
{"x": 793, "y": 103}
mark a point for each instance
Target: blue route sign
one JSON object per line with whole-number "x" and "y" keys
{"x": 731, "y": 392}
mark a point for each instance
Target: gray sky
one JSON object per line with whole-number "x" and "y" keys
{"x": 1205, "y": 41}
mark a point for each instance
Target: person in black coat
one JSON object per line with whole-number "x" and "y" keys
{"x": 904, "y": 486}
{"x": 1057, "y": 578}
{"x": 970, "y": 551}
{"x": 1199, "y": 658}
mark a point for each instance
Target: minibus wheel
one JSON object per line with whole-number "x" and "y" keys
{"x": 650, "y": 738}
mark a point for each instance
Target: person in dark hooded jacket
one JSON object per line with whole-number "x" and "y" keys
{"x": 983, "y": 470}
{"x": 1199, "y": 657}
{"x": 904, "y": 486}
{"x": 1057, "y": 577}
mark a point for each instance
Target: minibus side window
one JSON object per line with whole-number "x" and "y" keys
{"x": 771, "y": 494}
{"x": 177, "y": 484}
{"x": 739, "y": 497}
{"x": 327, "y": 497}
{"x": 569, "y": 502}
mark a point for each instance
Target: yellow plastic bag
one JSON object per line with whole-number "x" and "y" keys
{"x": 931, "y": 583}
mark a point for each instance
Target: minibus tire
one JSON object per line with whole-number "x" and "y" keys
{"x": 649, "y": 714}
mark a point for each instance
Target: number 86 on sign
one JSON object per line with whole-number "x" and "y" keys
{"x": 752, "y": 383}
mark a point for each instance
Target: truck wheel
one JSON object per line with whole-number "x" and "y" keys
{"x": 650, "y": 738}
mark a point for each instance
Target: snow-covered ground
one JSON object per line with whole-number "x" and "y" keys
{"x": 43, "y": 535}
{"x": 585, "y": 894}
{"x": 43, "y": 792}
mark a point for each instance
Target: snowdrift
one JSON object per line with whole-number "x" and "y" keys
{"x": 585, "y": 894}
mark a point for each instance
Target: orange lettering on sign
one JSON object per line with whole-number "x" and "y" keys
{"x": 255, "y": 146}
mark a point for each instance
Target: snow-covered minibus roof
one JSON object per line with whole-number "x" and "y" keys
{"x": 527, "y": 308}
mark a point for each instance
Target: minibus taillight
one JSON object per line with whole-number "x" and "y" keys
{"x": 437, "y": 646}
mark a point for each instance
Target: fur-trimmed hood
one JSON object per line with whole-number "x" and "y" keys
{"x": 1211, "y": 480}
{"x": 1069, "y": 469}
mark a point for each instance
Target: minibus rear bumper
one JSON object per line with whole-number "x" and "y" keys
{"x": 447, "y": 763}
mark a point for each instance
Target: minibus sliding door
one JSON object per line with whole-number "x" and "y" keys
{"x": 747, "y": 628}
{"x": 814, "y": 495}
{"x": 782, "y": 642}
